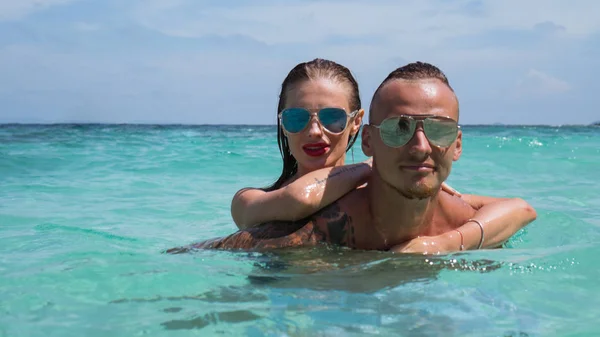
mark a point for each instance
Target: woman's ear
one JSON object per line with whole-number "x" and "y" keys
{"x": 357, "y": 122}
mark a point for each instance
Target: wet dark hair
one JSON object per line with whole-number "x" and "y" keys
{"x": 412, "y": 72}
{"x": 312, "y": 70}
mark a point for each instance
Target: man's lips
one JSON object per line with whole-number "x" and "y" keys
{"x": 419, "y": 167}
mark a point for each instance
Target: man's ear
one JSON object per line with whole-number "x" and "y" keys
{"x": 357, "y": 122}
{"x": 366, "y": 140}
{"x": 458, "y": 148}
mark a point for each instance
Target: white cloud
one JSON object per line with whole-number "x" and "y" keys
{"x": 86, "y": 26}
{"x": 579, "y": 17}
{"x": 417, "y": 22}
{"x": 491, "y": 52}
{"x": 410, "y": 30}
{"x": 202, "y": 87}
{"x": 17, "y": 9}
{"x": 536, "y": 82}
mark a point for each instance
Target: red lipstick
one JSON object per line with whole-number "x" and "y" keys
{"x": 315, "y": 149}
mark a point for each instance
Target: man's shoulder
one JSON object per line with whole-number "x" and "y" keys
{"x": 350, "y": 204}
{"x": 336, "y": 223}
{"x": 456, "y": 210}
{"x": 333, "y": 224}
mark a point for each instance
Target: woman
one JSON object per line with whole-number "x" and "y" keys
{"x": 319, "y": 117}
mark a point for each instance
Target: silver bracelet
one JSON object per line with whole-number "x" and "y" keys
{"x": 480, "y": 227}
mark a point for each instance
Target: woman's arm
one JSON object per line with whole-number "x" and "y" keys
{"x": 478, "y": 201}
{"x": 299, "y": 199}
{"x": 501, "y": 218}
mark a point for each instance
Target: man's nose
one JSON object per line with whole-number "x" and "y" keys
{"x": 419, "y": 144}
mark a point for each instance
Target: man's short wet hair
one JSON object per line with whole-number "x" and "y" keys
{"x": 413, "y": 72}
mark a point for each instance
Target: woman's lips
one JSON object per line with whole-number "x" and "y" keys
{"x": 316, "y": 149}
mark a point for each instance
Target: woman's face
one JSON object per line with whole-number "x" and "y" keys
{"x": 315, "y": 147}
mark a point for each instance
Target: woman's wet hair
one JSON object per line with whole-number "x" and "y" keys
{"x": 312, "y": 70}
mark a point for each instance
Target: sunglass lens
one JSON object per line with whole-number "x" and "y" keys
{"x": 440, "y": 132}
{"x": 397, "y": 131}
{"x": 333, "y": 119}
{"x": 294, "y": 120}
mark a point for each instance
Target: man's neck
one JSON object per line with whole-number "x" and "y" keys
{"x": 396, "y": 217}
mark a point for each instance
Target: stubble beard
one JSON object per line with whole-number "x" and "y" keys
{"x": 416, "y": 190}
{"x": 420, "y": 191}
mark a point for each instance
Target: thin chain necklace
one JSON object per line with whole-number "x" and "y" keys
{"x": 382, "y": 235}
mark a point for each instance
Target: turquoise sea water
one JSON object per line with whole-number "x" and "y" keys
{"x": 86, "y": 211}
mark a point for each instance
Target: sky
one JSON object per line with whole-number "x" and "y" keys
{"x": 222, "y": 62}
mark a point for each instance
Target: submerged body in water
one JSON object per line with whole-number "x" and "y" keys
{"x": 344, "y": 223}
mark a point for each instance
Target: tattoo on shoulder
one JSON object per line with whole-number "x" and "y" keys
{"x": 330, "y": 212}
{"x": 277, "y": 229}
{"x": 276, "y": 234}
{"x": 336, "y": 228}
{"x": 340, "y": 229}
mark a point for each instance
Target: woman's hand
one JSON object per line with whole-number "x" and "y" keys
{"x": 430, "y": 245}
{"x": 450, "y": 190}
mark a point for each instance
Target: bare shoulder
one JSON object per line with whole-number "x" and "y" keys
{"x": 455, "y": 210}
{"x": 272, "y": 235}
{"x": 247, "y": 193}
{"x": 333, "y": 224}
{"x": 337, "y": 222}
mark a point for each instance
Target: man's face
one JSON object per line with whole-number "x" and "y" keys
{"x": 418, "y": 168}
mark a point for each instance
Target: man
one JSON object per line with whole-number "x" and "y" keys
{"x": 413, "y": 137}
